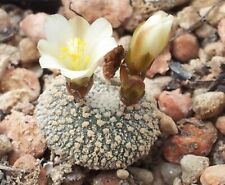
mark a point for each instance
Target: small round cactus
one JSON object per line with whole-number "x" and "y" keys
{"x": 98, "y": 131}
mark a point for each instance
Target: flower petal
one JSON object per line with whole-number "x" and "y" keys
{"x": 57, "y": 29}
{"x": 99, "y": 30}
{"x": 73, "y": 75}
{"x": 80, "y": 26}
{"x": 47, "y": 48}
{"x": 102, "y": 48}
{"x": 49, "y": 62}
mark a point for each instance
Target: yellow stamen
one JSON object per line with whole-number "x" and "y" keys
{"x": 73, "y": 55}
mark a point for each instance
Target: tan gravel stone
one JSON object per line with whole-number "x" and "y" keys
{"x": 4, "y": 62}
{"x": 4, "y": 20}
{"x": 21, "y": 78}
{"x": 209, "y": 104}
{"x": 5, "y": 145}
{"x": 214, "y": 49}
{"x": 11, "y": 51}
{"x": 188, "y": 17}
{"x": 25, "y": 135}
{"x": 28, "y": 51}
{"x": 192, "y": 167}
{"x": 220, "y": 124}
{"x": 213, "y": 175}
{"x": 11, "y": 98}
{"x": 221, "y": 30}
{"x": 28, "y": 162}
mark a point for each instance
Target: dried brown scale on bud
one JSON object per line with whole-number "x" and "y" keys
{"x": 132, "y": 86}
{"x": 112, "y": 61}
{"x": 79, "y": 90}
{"x": 97, "y": 132}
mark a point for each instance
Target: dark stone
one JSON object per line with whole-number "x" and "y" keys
{"x": 48, "y": 6}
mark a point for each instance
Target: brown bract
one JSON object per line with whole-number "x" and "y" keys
{"x": 132, "y": 86}
{"x": 112, "y": 62}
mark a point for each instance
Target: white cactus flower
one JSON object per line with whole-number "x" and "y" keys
{"x": 149, "y": 39}
{"x": 75, "y": 47}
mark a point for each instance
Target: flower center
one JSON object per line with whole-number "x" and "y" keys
{"x": 73, "y": 55}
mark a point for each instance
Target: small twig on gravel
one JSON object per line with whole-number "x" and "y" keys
{"x": 198, "y": 23}
{"x": 9, "y": 168}
{"x": 70, "y": 7}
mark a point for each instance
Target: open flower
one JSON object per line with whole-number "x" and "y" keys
{"x": 75, "y": 47}
{"x": 148, "y": 41}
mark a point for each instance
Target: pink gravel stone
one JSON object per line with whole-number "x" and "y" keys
{"x": 32, "y": 26}
{"x": 174, "y": 104}
{"x": 25, "y": 134}
{"x": 213, "y": 175}
{"x": 116, "y": 11}
{"x": 160, "y": 65}
{"x": 220, "y": 124}
{"x": 221, "y": 30}
{"x": 185, "y": 47}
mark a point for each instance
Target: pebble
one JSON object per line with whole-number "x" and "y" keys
{"x": 28, "y": 162}
{"x": 215, "y": 65}
{"x": 220, "y": 124}
{"x": 218, "y": 152}
{"x": 169, "y": 172}
{"x": 209, "y": 104}
{"x": 187, "y": 17}
{"x": 122, "y": 174}
{"x": 143, "y": 176}
{"x": 185, "y": 47}
{"x": 21, "y": 78}
{"x": 167, "y": 125}
{"x": 177, "y": 181}
{"x": 110, "y": 178}
{"x": 213, "y": 175}
{"x": 175, "y": 109}
{"x": 192, "y": 139}
{"x": 25, "y": 135}
{"x": 160, "y": 64}
{"x": 12, "y": 98}
{"x": 154, "y": 87}
{"x": 192, "y": 168}
{"x": 76, "y": 177}
{"x": 28, "y": 51}
{"x": 205, "y": 31}
{"x": 12, "y": 52}
{"x": 24, "y": 107}
{"x": 4, "y": 21}
{"x": 116, "y": 12}
{"x": 4, "y": 62}
{"x": 32, "y": 26}
{"x": 214, "y": 49}
{"x": 36, "y": 68}
{"x": 214, "y": 16}
{"x": 5, "y": 145}
{"x": 221, "y": 30}
{"x": 202, "y": 3}
{"x": 125, "y": 42}
{"x": 158, "y": 179}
